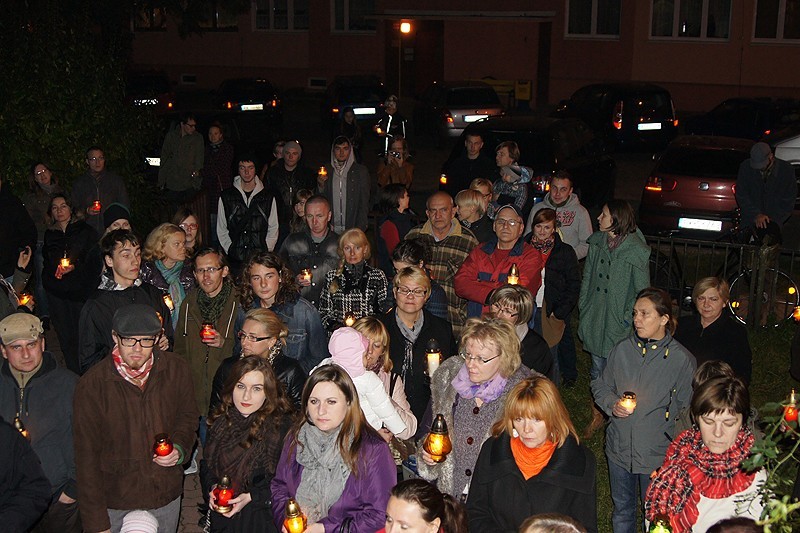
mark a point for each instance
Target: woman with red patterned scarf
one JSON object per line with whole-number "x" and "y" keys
{"x": 702, "y": 481}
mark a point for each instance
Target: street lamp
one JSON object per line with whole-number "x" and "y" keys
{"x": 405, "y": 28}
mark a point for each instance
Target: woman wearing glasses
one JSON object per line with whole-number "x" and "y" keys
{"x": 470, "y": 391}
{"x": 263, "y": 335}
{"x": 411, "y": 328}
{"x": 515, "y": 305}
{"x": 186, "y": 219}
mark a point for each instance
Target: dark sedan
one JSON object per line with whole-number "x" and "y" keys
{"x": 747, "y": 118}
{"x": 248, "y": 95}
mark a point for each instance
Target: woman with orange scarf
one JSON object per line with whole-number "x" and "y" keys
{"x": 534, "y": 464}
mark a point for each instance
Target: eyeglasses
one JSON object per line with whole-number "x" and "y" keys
{"x": 190, "y": 125}
{"x": 130, "y": 342}
{"x": 39, "y": 173}
{"x": 503, "y": 222}
{"x": 505, "y": 310}
{"x": 252, "y": 338}
{"x": 95, "y": 159}
{"x": 188, "y": 226}
{"x": 207, "y": 270}
{"x": 475, "y": 359}
{"x": 416, "y": 293}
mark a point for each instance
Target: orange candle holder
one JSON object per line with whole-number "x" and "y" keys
{"x": 295, "y": 521}
{"x": 19, "y": 426}
{"x": 163, "y": 445}
{"x": 65, "y": 262}
{"x": 438, "y": 443}
{"x": 223, "y": 493}
{"x": 790, "y": 411}
{"x": 24, "y": 298}
{"x": 323, "y": 172}
{"x": 513, "y": 275}
{"x": 207, "y": 332}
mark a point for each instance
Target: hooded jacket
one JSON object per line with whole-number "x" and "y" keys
{"x": 574, "y": 221}
{"x": 348, "y": 194}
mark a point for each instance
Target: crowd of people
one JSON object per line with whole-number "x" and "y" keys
{"x": 297, "y": 363}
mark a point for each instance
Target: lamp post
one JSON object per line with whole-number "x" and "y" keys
{"x": 405, "y": 28}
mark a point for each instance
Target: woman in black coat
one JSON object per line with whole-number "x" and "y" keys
{"x": 534, "y": 464}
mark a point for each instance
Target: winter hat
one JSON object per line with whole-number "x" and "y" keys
{"x": 139, "y": 522}
{"x": 759, "y": 156}
{"x": 136, "y": 319}
{"x": 115, "y": 212}
{"x": 347, "y": 348}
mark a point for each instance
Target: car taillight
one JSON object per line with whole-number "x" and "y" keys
{"x": 170, "y": 105}
{"x": 274, "y": 103}
{"x": 443, "y": 179}
{"x": 733, "y": 189}
{"x": 334, "y": 110}
{"x": 766, "y": 132}
{"x": 616, "y": 119}
{"x": 540, "y": 185}
{"x": 675, "y": 122}
{"x": 229, "y": 105}
{"x": 448, "y": 117}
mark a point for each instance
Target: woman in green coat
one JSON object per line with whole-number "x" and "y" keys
{"x": 617, "y": 268}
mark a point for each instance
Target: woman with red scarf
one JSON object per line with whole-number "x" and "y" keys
{"x": 702, "y": 481}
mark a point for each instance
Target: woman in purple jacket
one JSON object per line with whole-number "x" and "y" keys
{"x": 338, "y": 468}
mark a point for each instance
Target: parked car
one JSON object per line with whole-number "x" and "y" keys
{"x": 445, "y": 108}
{"x": 151, "y": 88}
{"x": 691, "y": 189}
{"x": 625, "y": 115}
{"x": 248, "y": 95}
{"x": 365, "y": 94}
{"x": 748, "y": 118}
{"x": 546, "y": 145}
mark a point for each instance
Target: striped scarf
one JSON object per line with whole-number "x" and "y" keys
{"x": 137, "y": 377}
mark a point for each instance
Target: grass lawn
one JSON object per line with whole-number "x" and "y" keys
{"x": 770, "y": 382}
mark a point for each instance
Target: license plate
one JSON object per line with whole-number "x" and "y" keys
{"x": 153, "y": 161}
{"x": 252, "y": 107}
{"x": 364, "y": 111}
{"x": 700, "y": 224}
{"x": 474, "y": 118}
{"x": 145, "y": 101}
{"x": 644, "y": 126}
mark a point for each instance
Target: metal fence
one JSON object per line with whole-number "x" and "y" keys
{"x": 762, "y": 278}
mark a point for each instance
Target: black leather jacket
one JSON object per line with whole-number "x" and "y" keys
{"x": 300, "y": 251}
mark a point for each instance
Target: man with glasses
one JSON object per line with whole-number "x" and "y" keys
{"x": 121, "y": 405}
{"x": 211, "y": 303}
{"x": 182, "y": 156}
{"x": 97, "y": 189}
{"x": 247, "y": 216}
{"x": 487, "y": 267}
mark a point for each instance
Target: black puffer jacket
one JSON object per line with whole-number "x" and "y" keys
{"x": 77, "y": 241}
{"x": 149, "y": 273}
{"x": 24, "y": 489}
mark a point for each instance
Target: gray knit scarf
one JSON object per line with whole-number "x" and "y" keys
{"x": 410, "y": 335}
{"x": 324, "y": 471}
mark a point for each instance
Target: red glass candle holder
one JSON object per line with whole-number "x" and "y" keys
{"x": 207, "y": 332}
{"x": 163, "y": 445}
{"x": 223, "y": 493}
{"x": 95, "y": 207}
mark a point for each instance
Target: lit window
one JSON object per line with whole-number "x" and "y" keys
{"x": 691, "y": 19}
{"x": 593, "y": 17}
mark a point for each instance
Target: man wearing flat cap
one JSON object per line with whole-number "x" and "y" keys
{"x": 488, "y": 265}
{"x": 766, "y": 190}
{"x": 121, "y": 404}
{"x": 37, "y": 392}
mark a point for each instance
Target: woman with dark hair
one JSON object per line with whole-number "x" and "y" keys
{"x": 165, "y": 265}
{"x": 702, "y": 480}
{"x": 393, "y": 224}
{"x": 713, "y": 333}
{"x": 338, "y": 468}
{"x": 69, "y": 275}
{"x": 187, "y": 220}
{"x": 655, "y": 367}
{"x": 299, "y": 198}
{"x": 268, "y": 283}
{"x": 394, "y": 167}
{"x": 616, "y": 269}
{"x": 534, "y": 463}
{"x": 416, "y": 506}
{"x": 244, "y": 443}
{"x": 355, "y": 289}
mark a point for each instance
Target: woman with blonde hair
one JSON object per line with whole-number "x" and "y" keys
{"x": 471, "y": 211}
{"x": 533, "y": 464}
{"x": 355, "y": 289}
{"x": 470, "y": 391}
{"x": 165, "y": 266}
{"x": 263, "y": 335}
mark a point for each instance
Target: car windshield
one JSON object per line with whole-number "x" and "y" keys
{"x": 472, "y": 97}
{"x": 703, "y": 163}
{"x": 361, "y": 94}
{"x": 247, "y": 88}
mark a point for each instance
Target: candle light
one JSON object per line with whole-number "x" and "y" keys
{"x": 438, "y": 443}
{"x": 168, "y": 302}
{"x": 790, "y": 411}
{"x": 628, "y": 401}
{"x": 796, "y": 314}
{"x": 349, "y": 319}
{"x": 295, "y": 519}
{"x": 163, "y": 445}
{"x": 434, "y": 355}
{"x": 223, "y": 492}
{"x": 19, "y": 426}
{"x": 95, "y": 208}
{"x": 307, "y": 274}
{"x": 323, "y": 172}
{"x": 378, "y": 130}
{"x": 24, "y": 298}
{"x": 513, "y": 275}
{"x": 660, "y": 525}
{"x": 65, "y": 261}
{"x": 207, "y": 332}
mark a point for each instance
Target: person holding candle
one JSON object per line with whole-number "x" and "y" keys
{"x": 96, "y": 189}
{"x": 470, "y": 391}
{"x": 713, "y": 333}
{"x": 533, "y": 464}
{"x": 69, "y": 283}
{"x": 416, "y": 506}
{"x": 246, "y": 431}
{"x": 268, "y": 283}
{"x": 337, "y": 468}
{"x": 487, "y": 266}
{"x": 394, "y": 223}
{"x": 658, "y": 369}
{"x": 514, "y": 304}
{"x": 411, "y": 327}
{"x": 12, "y": 297}
{"x": 701, "y": 480}
{"x": 355, "y": 287}
{"x": 346, "y": 185}
{"x": 391, "y": 124}
{"x": 187, "y": 220}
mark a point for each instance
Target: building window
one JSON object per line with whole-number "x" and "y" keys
{"x": 691, "y": 19}
{"x": 593, "y": 17}
{"x": 147, "y": 18}
{"x": 218, "y": 16}
{"x": 777, "y": 19}
{"x": 354, "y": 15}
{"x": 281, "y": 14}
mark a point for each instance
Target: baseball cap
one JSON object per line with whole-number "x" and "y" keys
{"x": 759, "y": 156}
